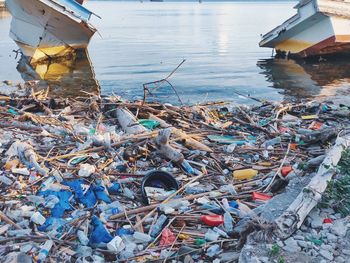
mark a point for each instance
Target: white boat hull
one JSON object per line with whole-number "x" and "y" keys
{"x": 316, "y": 30}
{"x": 45, "y": 29}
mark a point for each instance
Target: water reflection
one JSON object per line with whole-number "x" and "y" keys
{"x": 65, "y": 78}
{"x": 305, "y": 79}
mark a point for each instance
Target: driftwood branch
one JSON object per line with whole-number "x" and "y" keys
{"x": 189, "y": 141}
{"x": 310, "y": 196}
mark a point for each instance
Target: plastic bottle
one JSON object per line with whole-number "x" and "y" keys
{"x": 228, "y": 225}
{"x": 84, "y": 240}
{"x": 158, "y": 226}
{"x": 244, "y": 174}
{"x": 229, "y": 188}
{"x": 128, "y": 193}
{"x": 244, "y": 210}
{"x": 272, "y": 142}
{"x": 187, "y": 167}
{"x": 45, "y": 250}
{"x": 38, "y": 218}
{"x": 142, "y": 237}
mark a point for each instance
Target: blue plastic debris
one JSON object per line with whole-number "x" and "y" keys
{"x": 88, "y": 199}
{"x": 233, "y": 204}
{"x": 63, "y": 205}
{"x": 114, "y": 189}
{"x": 53, "y": 223}
{"x": 100, "y": 193}
{"x": 123, "y": 232}
{"x": 99, "y": 233}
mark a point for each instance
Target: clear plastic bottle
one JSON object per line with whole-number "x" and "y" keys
{"x": 228, "y": 222}
{"x": 44, "y": 251}
{"x": 128, "y": 193}
{"x": 142, "y": 237}
{"x": 158, "y": 226}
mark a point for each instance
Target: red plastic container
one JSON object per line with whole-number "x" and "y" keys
{"x": 261, "y": 196}
{"x": 328, "y": 221}
{"x": 286, "y": 170}
{"x": 214, "y": 220}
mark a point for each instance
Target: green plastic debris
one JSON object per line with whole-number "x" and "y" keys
{"x": 227, "y": 139}
{"x": 199, "y": 241}
{"x": 316, "y": 241}
{"x": 12, "y": 111}
{"x": 149, "y": 124}
{"x": 78, "y": 159}
{"x": 92, "y": 131}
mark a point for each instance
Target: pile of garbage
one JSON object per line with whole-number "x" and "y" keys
{"x": 102, "y": 179}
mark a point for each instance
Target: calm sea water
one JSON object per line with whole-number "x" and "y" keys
{"x": 143, "y": 42}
